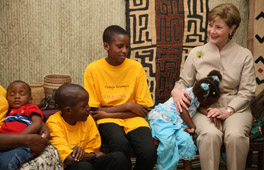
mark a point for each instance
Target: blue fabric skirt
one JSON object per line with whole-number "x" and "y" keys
{"x": 174, "y": 143}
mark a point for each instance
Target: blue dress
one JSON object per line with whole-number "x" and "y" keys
{"x": 167, "y": 127}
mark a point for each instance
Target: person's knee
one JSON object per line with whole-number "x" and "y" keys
{"x": 121, "y": 144}
{"x": 120, "y": 156}
{"x": 148, "y": 153}
{"x": 183, "y": 137}
{"x": 235, "y": 137}
{"x": 210, "y": 136}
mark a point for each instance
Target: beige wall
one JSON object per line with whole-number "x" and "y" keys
{"x": 39, "y": 37}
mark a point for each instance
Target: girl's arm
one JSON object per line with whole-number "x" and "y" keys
{"x": 35, "y": 126}
{"x": 203, "y": 110}
{"x": 187, "y": 119}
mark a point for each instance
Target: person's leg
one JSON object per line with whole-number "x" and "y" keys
{"x": 143, "y": 145}
{"x": 209, "y": 142}
{"x": 167, "y": 150}
{"x": 236, "y": 130}
{"x": 114, "y": 160}
{"x": 187, "y": 164}
{"x": 115, "y": 136}
{"x": 13, "y": 159}
{"x": 80, "y": 166}
{"x": 187, "y": 148}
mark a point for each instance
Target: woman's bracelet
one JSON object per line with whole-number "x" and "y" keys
{"x": 96, "y": 156}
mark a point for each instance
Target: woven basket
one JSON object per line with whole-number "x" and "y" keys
{"x": 54, "y": 81}
{"x": 37, "y": 92}
{"x": 57, "y": 78}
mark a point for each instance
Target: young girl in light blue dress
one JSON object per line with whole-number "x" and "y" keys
{"x": 173, "y": 129}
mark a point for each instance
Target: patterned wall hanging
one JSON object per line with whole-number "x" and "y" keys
{"x": 256, "y": 40}
{"x": 162, "y": 34}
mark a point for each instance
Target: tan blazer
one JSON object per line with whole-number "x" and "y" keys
{"x": 236, "y": 65}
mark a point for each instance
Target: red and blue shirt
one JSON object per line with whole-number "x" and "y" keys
{"x": 19, "y": 119}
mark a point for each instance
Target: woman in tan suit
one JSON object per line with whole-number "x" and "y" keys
{"x": 230, "y": 120}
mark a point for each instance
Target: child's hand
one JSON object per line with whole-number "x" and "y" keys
{"x": 99, "y": 114}
{"x": 99, "y": 154}
{"x": 44, "y": 135}
{"x": 216, "y": 122}
{"x": 140, "y": 110}
{"x": 190, "y": 131}
{"x": 78, "y": 153}
{"x": 44, "y": 131}
{"x": 36, "y": 143}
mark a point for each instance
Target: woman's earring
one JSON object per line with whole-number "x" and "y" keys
{"x": 230, "y": 35}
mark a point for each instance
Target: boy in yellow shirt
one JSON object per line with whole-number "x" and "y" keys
{"x": 75, "y": 135}
{"x": 120, "y": 97}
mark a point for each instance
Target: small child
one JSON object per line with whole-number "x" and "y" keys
{"x": 172, "y": 129}
{"x": 23, "y": 118}
{"x": 75, "y": 134}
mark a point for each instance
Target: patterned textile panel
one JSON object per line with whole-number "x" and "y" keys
{"x": 162, "y": 34}
{"x": 258, "y": 43}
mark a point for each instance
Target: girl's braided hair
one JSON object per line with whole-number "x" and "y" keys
{"x": 208, "y": 87}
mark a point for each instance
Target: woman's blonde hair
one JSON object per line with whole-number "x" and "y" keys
{"x": 227, "y": 12}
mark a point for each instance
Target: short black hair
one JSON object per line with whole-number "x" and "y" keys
{"x": 110, "y": 31}
{"x": 212, "y": 81}
{"x": 68, "y": 94}
{"x": 20, "y": 81}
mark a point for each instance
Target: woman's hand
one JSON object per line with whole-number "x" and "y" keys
{"x": 181, "y": 99}
{"x": 78, "y": 153}
{"x": 217, "y": 113}
{"x": 213, "y": 112}
{"x": 224, "y": 115}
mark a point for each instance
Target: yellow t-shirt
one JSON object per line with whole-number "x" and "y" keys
{"x": 3, "y": 105}
{"x": 109, "y": 85}
{"x": 65, "y": 136}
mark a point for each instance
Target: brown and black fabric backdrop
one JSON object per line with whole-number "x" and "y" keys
{"x": 162, "y": 34}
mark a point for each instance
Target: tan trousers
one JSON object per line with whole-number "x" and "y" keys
{"x": 234, "y": 132}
